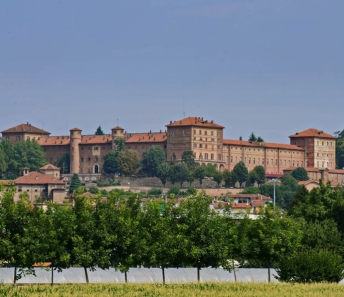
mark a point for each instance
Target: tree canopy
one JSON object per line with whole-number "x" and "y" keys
{"x": 99, "y": 131}
{"x": 300, "y": 174}
{"x": 240, "y": 173}
{"x": 151, "y": 160}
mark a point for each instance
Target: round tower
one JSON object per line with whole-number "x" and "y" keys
{"x": 117, "y": 132}
{"x": 75, "y": 139}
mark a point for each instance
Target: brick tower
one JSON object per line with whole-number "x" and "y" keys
{"x": 75, "y": 139}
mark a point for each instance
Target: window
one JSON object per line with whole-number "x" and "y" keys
{"x": 18, "y": 138}
{"x": 173, "y": 132}
{"x": 218, "y": 146}
{"x": 212, "y": 133}
{"x": 96, "y": 148}
{"x": 82, "y": 148}
{"x": 212, "y": 156}
{"x": 322, "y": 143}
{"x": 96, "y": 159}
{"x": 89, "y": 159}
{"x": 184, "y": 132}
{"x": 103, "y": 148}
{"x": 231, "y": 159}
{"x": 205, "y": 156}
{"x": 194, "y": 131}
{"x": 219, "y": 157}
{"x": 285, "y": 162}
{"x": 89, "y": 148}
{"x": 218, "y": 134}
{"x": 200, "y": 132}
{"x": 200, "y": 145}
{"x": 267, "y": 161}
{"x": 206, "y": 146}
{"x": 262, "y": 161}
{"x": 195, "y": 145}
{"x": 249, "y": 160}
{"x": 82, "y": 159}
{"x": 205, "y": 132}
{"x": 200, "y": 157}
{"x": 258, "y": 161}
{"x": 236, "y": 159}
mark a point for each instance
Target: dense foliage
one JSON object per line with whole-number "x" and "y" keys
{"x": 13, "y": 159}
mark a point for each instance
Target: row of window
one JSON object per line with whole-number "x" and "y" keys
{"x": 266, "y": 150}
{"x": 200, "y": 132}
{"x": 206, "y": 157}
{"x": 323, "y": 155}
{"x": 89, "y": 159}
{"x": 323, "y": 164}
{"x": 211, "y": 146}
{"x": 272, "y": 161}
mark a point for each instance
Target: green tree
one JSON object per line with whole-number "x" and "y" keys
{"x": 163, "y": 172}
{"x": 12, "y": 170}
{"x": 200, "y": 173}
{"x": 240, "y": 173}
{"x": 175, "y": 190}
{"x": 151, "y": 160}
{"x": 64, "y": 164}
{"x": 261, "y": 174}
{"x": 273, "y": 238}
{"x": 210, "y": 170}
{"x": 227, "y": 177}
{"x": 110, "y": 162}
{"x": 75, "y": 183}
{"x": 340, "y": 153}
{"x": 3, "y": 164}
{"x": 252, "y": 137}
{"x": 119, "y": 144}
{"x": 99, "y": 131}
{"x": 172, "y": 174}
{"x": 218, "y": 177}
{"x": 127, "y": 162}
{"x": 260, "y": 139}
{"x": 191, "y": 177}
{"x": 300, "y": 174}
{"x": 188, "y": 158}
{"x": 252, "y": 177}
{"x": 181, "y": 172}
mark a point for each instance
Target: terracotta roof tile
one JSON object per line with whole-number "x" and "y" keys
{"x": 241, "y": 205}
{"x": 54, "y": 140}
{"x": 194, "y": 121}
{"x": 262, "y": 144}
{"x": 5, "y": 182}
{"x": 49, "y": 167}
{"x": 96, "y": 139}
{"x": 312, "y": 132}
{"x": 117, "y": 128}
{"x": 75, "y": 129}
{"x": 26, "y": 128}
{"x": 151, "y": 137}
{"x": 37, "y": 178}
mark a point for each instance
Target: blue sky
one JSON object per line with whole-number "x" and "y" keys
{"x": 273, "y": 67}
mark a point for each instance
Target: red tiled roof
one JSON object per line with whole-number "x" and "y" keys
{"x": 336, "y": 171}
{"x": 117, "y": 128}
{"x": 147, "y": 137}
{"x": 49, "y": 167}
{"x": 251, "y": 196}
{"x": 275, "y": 175}
{"x": 194, "y": 121}
{"x": 37, "y": 178}
{"x": 26, "y": 128}
{"x": 75, "y": 129}
{"x": 5, "y": 182}
{"x": 241, "y": 205}
{"x": 308, "y": 169}
{"x": 96, "y": 139}
{"x": 53, "y": 140}
{"x": 262, "y": 144}
{"x": 312, "y": 132}
{"x": 307, "y": 182}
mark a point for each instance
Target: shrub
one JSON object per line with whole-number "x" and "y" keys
{"x": 174, "y": 190}
{"x": 311, "y": 266}
{"x": 191, "y": 191}
{"x": 93, "y": 190}
{"x": 155, "y": 191}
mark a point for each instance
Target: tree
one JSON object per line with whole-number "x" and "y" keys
{"x": 12, "y": 170}
{"x": 75, "y": 183}
{"x": 191, "y": 177}
{"x": 163, "y": 172}
{"x": 3, "y": 164}
{"x": 257, "y": 175}
{"x": 300, "y": 174}
{"x": 188, "y": 158}
{"x": 127, "y": 162}
{"x": 172, "y": 176}
{"x": 99, "y": 131}
{"x": 227, "y": 177}
{"x": 181, "y": 172}
{"x": 252, "y": 137}
{"x": 200, "y": 174}
{"x": 119, "y": 144}
{"x": 210, "y": 170}
{"x": 110, "y": 162}
{"x": 64, "y": 164}
{"x": 218, "y": 177}
{"x": 240, "y": 173}
{"x": 151, "y": 160}
{"x": 260, "y": 139}
{"x": 340, "y": 149}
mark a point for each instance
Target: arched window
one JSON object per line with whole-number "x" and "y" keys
{"x": 200, "y": 145}
{"x": 231, "y": 159}
{"x": 254, "y": 160}
{"x": 173, "y": 157}
{"x": 236, "y": 159}
{"x": 200, "y": 132}
{"x": 96, "y": 168}
{"x": 219, "y": 157}
{"x": 205, "y": 156}
{"x": 195, "y": 145}
{"x": 212, "y": 156}
{"x": 262, "y": 161}
{"x": 200, "y": 157}
{"x": 258, "y": 161}
{"x": 249, "y": 160}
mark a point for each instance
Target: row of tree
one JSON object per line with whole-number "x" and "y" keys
{"x": 13, "y": 158}
{"x": 122, "y": 233}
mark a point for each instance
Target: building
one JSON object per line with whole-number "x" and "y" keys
{"x": 311, "y": 148}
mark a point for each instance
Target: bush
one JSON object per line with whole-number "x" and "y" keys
{"x": 191, "y": 191}
{"x": 155, "y": 191}
{"x": 93, "y": 190}
{"x": 311, "y": 266}
{"x": 174, "y": 190}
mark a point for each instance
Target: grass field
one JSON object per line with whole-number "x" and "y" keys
{"x": 176, "y": 290}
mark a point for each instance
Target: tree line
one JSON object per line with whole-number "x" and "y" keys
{"x": 122, "y": 232}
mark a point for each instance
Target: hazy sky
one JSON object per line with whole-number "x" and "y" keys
{"x": 274, "y": 67}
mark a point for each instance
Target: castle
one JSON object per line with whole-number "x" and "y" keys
{"x": 312, "y": 148}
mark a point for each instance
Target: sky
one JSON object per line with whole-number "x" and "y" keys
{"x": 272, "y": 67}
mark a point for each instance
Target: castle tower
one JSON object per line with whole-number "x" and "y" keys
{"x": 117, "y": 132}
{"x": 75, "y": 139}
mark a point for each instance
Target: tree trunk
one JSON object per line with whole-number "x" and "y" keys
{"x": 163, "y": 274}
{"x": 52, "y": 274}
{"x": 269, "y": 276}
{"x": 86, "y": 275}
{"x": 198, "y": 272}
{"x": 235, "y": 277}
{"x": 125, "y": 276}
{"x": 15, "y": 276}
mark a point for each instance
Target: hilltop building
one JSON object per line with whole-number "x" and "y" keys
{"x": 311, "y": 148}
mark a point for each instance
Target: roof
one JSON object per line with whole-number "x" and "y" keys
{"x": 26, "y": 128}
{"x": 37, "y": 178}
{"x": 5, "y": 182}
{"x": 151, "y": 137}
{"x": 49, "y": 167}
{"x": 308, "y": 169}
{"x": 251, "y": 196}
{"x": 262, "y": 144}
{"x": 312, "y": 132}
{"x": 75, "y": 129}
{"x": 194, "y": 121}
{"x": 65, "y": 140}
{"x": 311, "y": 181}
{"x": 117, "y": 128}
